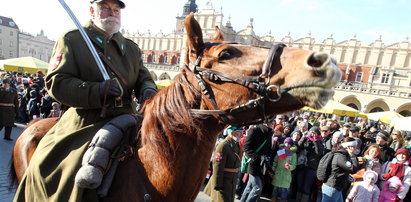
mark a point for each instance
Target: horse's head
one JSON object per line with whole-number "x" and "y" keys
{"x": 267, "y": 81}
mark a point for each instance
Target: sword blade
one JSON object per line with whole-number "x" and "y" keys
{"x": 87, "y": 40}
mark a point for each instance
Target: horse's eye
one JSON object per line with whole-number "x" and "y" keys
{"x": 225, "y": 55}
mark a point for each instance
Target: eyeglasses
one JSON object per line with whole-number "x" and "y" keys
{"x": 106, "y": 9}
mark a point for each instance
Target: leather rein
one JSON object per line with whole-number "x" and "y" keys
{"x": 258, "y": 84}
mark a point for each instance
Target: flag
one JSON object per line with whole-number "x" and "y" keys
{"x": 281, "y": 154}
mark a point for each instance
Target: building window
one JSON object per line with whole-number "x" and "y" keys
{"x": 11, "y": 33}
{"x": 0, "y": 29}
{"x": 178, "y": 60}
{"x": 1, "y": 21}
{"x": 358, "y": 78}
{"x": 11, "y": 54}
{"x": 1, "y": 42}
{"x": 153, "y": 59}
{"x": 385, "y": 77}
{"x": 166, "y": 60}
{"x": 11, "y": 43}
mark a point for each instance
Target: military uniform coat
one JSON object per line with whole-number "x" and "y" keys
{"x": 8, "y": 113}
{"x": 73, "y": 80}
{"x": 227, "y": 155}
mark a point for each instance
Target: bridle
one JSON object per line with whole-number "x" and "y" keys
{"x": 258, "y": 84}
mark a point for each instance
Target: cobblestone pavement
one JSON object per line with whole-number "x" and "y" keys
{"x": 6, "y": 148}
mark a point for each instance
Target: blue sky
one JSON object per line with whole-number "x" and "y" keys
{"x": 367, "y": 19}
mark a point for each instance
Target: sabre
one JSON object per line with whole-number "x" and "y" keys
{"x": 86, "y": 39}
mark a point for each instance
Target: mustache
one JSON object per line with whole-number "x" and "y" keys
{"x": 111, "y": 19}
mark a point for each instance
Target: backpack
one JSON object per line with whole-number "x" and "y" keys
{"x": 324, "y": 167}
{"x": 246, "y": 160}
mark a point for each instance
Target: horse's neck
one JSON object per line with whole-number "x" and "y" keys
{"x": 183, "y": 161}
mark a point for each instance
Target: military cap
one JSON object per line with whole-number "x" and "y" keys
{"x": 121, "y": 3}
{"x": 233, "y": 128}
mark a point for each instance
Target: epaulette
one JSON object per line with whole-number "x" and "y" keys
{"x": 69, "y": 32}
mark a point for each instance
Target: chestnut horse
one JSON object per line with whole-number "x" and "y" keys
{"x": 221, "y": 83}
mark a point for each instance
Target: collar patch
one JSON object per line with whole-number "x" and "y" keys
{"x": 99, "y": 39}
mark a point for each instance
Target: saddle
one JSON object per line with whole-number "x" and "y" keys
{"x": 107, "y": 147}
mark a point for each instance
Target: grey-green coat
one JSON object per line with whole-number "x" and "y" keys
{"x": 227, "y": 155}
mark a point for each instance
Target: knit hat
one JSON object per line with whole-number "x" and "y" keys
{"x": 338, "y": 134}
{"x": 289, "y": 141}
{"x": 280, "y": 116}
{"x": 393, "y": 185}
{"x": 384, "y": 135}
{"x": 372, "y": 173}
{"x": 287, "y": 125}
{"x": 6, "y": 80}
{"x": 403, "y": 151}
{"x": 315, "y": 129}
{"x": 355, "y": 129}
{"x": 279, "y": 127}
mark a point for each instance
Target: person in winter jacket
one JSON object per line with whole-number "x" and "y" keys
{"x": 33, "y": 109}
{"x": 365, "y": 191}
{"x": 257, "y": 136}
{"x": 284, "y": 162}
{"x": 391, "y": 189}
{"x": 400, "y": 168}
{"x": 343, "y": 163}
{"x": 312, "y": 145}
{"x": 387, "y": 153}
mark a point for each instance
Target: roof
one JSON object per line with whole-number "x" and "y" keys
{"x": 8, "y": 22}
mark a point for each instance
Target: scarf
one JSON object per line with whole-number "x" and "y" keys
{"x": 397, "y": 170}
{"x": 312, "y": 139}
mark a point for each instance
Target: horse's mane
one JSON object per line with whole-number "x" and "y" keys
{"x": 168, "y": 114}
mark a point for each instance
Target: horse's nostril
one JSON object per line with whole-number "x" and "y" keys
{"x": 317, "y": 59}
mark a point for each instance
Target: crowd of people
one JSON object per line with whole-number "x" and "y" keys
{"x": 34, "y": 101}
{"x": 24, "y": 98}
{"x": 305, "y": 156}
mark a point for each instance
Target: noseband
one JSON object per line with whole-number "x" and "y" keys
{"x": 258, "y": 84}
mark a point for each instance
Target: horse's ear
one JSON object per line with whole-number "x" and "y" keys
{"x": 194, "y": 41}
{"x": 218, "y": 36}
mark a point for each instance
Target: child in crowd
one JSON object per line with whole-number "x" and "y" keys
{"x": 55, "y": 112}
{"x": 284, "y": 162}
{"x": 400, "y": 168}
{"x": 391, "y": 188}
{"x": 372, "y": 158}
{"x": 365, "y": 191}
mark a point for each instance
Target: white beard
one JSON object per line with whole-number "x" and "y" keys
{"x": 110, "y": 25}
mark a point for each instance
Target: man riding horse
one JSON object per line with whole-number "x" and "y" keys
{"x": 220, "y": 83}
{"x": 75, "y": 81}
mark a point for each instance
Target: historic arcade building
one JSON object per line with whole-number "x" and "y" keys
{"x": 376, "y": 76}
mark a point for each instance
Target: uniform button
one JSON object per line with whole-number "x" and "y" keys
{"x": 108, "y": 57}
